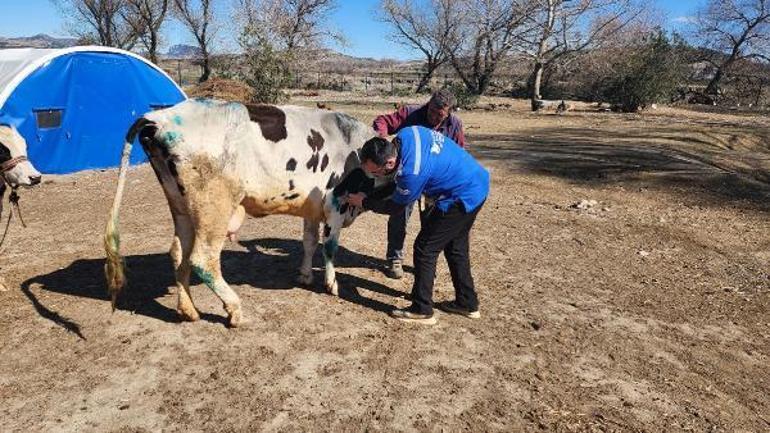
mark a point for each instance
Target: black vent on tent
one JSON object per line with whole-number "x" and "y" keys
{"x": 48, "y": 118}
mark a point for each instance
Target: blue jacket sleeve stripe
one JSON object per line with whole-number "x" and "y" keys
{"x": 417, "y": 151}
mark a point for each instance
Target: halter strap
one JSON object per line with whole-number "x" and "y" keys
{"x": 11, "y": 163}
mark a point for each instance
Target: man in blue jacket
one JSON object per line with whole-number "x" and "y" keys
{"x": 426, "y": 162}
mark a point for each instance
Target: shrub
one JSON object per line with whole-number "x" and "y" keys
{"x": 266, "y": 69}
{"x": 465, "y": 98}
{"x": 649, "y": 75}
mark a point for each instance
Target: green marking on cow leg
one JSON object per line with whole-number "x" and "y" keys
{"x": 207, "y": 277}
{"x": 336, "y": 202}
{"x": 330, "y": 249}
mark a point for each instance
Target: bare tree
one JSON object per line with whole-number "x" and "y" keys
{"x": 198, "y": 17}
{"x": 291, "y": 25}
{"x": 485, "y": 34}
{"x": 146, "y": 18}
{"x": 559, "y": 30}
{"x": 423, "y": 25}
{"x": 733, "y": 30}
{"x": 101, "y": 21}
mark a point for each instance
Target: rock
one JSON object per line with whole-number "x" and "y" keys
{"x": 643, "y": 253}
{"x": 584, "y": 204}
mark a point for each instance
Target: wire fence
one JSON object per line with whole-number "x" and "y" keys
{"x": 361, "y": 81}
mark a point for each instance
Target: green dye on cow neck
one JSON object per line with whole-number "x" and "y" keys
{"x": 171, "y": 138}
{"x": 177, "y": 120}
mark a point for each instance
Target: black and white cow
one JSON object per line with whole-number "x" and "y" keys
{"x": 218, "y": 161}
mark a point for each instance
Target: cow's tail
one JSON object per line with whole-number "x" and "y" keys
{"x": 114, "y": 267}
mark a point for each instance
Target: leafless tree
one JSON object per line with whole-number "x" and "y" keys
{"x": 425, "y": 26}
{"x": 733, "y": 30}
{"x": 559, "y": 30}
{"x": 291, "y": 25}
{"x": 486, "y": 33}
{"x": 101, "y": 21}
{"x": 146, "y": 18}
{"x": 198, "y": 17}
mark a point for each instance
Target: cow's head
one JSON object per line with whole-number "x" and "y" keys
{"x": 16, "y": 170}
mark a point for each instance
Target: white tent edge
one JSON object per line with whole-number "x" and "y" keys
{"x": 41, "y": 61}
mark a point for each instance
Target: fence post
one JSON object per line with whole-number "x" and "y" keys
{"x": 318, "y": 82}
{"x": 391, "y": 82}
{"x": 366, "y": 83}
{"x": 179, "y": 71}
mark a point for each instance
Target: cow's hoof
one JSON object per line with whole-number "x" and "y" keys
{"x": 333, "y": 288}
{"x": 305, "y": 280}
{"x": 236, "y": 319}
{"x": 188, "y": 316}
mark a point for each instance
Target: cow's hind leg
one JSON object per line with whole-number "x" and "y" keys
{"x": 181, "y": 248}
{"x": 205, "y": 260}
{"x": 309, "y": 243}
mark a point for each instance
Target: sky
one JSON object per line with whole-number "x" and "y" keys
{"x": 354, "y": 18}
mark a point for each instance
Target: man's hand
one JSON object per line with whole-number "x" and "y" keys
{"x": 356, "y": 199}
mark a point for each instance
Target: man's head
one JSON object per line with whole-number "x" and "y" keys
{"x": 439, "y": 107}
{"x": 379, "y": 157}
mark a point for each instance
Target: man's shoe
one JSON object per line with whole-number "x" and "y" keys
{"x": 395, "y": 270}
{"x": 404, "y": 315}
{"x": 454, "y": 308}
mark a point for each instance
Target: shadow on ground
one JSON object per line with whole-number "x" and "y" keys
{"x": 672, "y": 158}
{"x": 268, "y": 264}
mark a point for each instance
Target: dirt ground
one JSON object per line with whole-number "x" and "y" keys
{"x": 646, "y": 311}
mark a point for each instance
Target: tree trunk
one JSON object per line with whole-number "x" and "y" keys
{"x": 206, "y": 69}
{"x": 713, "y": 86}
{"x": 154, "y": 48}
{"x": 430, "y": 68}
{"x": 537, "y": 77}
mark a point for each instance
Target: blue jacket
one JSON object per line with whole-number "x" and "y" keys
{"x": 436, "y": 166}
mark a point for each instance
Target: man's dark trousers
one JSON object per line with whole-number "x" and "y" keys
{"x": 448, "y": 232}
{"x": 397, "y": 233}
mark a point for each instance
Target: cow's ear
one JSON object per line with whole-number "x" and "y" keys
{"x": 5, "y": 152}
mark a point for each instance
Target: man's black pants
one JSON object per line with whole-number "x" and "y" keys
{"x": 448, "y": 232}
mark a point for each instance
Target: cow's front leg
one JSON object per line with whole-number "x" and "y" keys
{"x": 309, "y": 242}
{"x": 331, "y": 240}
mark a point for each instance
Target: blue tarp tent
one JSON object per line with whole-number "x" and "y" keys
{"x": 75, "y": 105}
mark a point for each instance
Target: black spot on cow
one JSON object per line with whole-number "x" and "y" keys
{"x": 291, "y": 185}
{"x": 5, "y": 153}
{"x": 346, "y": 125}
{"x": 271, "y": 120}
{"x": 315, "y": 140}
{"x": 324, "y": 162}
{"x": 327, "y": 230}
{"x": 334, "y": 179}
{"x": 291, "y": 164}
{"x": 351, "y": 162}
{"x": 312, "y": 163}
{"x": 292, "y": 197}
{"x": 265, "y": 201}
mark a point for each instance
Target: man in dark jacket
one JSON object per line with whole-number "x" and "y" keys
{"x": 436, "y": 115}
{"x": 428, "y": 163}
